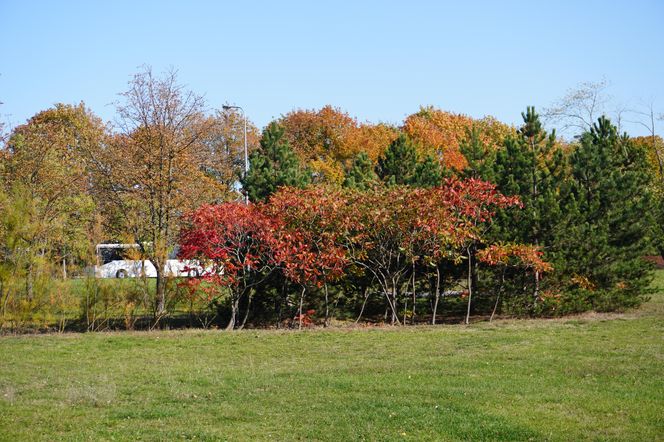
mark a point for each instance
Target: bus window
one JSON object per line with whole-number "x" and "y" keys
{"x": 110, "y": 254}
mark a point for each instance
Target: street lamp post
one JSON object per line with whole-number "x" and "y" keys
{"x": 246, "y": 156}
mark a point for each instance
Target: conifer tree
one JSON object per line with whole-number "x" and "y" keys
{"x": 273, "y": 165}
{"x": 607, "y": 217}
{"x": 397, "y": 165}
{"x": 530, "y": 167}
{"x": 480, "y": 159}
{"x": 361, "y": 174}
{"x": 428, "y": 173}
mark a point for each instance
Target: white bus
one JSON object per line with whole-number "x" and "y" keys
{"x": 120, "y": 261}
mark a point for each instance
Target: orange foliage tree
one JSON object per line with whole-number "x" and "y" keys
{"x": 439, "y": 133}
{"x": 327, "y": 140}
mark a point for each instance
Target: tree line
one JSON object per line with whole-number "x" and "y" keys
{"x": 444, "y": 216}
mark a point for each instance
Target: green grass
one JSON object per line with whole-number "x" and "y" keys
{"x": 592, "y": 377}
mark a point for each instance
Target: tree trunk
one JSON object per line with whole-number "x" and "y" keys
{"x": 435, "y": 303}
{"x": 160, "y": 309}
{"x": 29, "y": 282}
{"x": 405, "y": 309}
{"x": 500, "y": 290}
{"x": 5, "y": 302}
{"x": 64, "y": 269}
{"x": 366, "y": 297}
{"x": 299, "y": 326}
{"x": 235, "y": 305}
{"x": 537, "y": 281}
{"x": 281, "y": 303}
{"x": 470, "y": 285}
{"x": 412, "y": 319}
{"x": 327, "y": 306}
{"x": 246, "y": 313}
{"x": 393, "y": 303}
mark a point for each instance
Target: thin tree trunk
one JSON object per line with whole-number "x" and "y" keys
{"x": 5, "y": 302}
{"x": 28, "y": 282}
{"x": 64, "y": 269}
{"x": 366, "y": 297}
{"x": 435, "y": 303}
{"x": 246, "y": 313}
{"x": 327, "y": 306}
{"x": 161, "y": 291}
{"x": 282, "y": 302}
{"x": 500, "y": 290}
{"x": 470, "y": 285}
{"x": 405, "y": 309}
{"x": 235, "y": 304}
{"x": 393, "y": 303}
{"x": 412, "y": 320}
{"x": 299, "y": 327}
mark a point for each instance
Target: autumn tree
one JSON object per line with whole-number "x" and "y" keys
{"x": 440, "y": 134}
{"x": 273, "y": 165}
{"x": 654, "y": 147}
{"x": 221, "y": 155}
{"x": 371, "y": 138}
{"x": 235, "y": 244}
{"x": 45, "y": 197}
{"x": 320, "y": 139}
{"x": 475, "y": 204}
{"x": 391, "y": 229}
{"x": 150, "y": 172}
{"x": 516, "y": 256}
{"x": 309, "y": 244}
{"x": 328, "y": 139}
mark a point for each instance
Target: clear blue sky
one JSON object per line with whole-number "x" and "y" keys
{"x": 377, "y": 60}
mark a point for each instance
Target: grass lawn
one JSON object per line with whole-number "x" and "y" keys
{"x": 594, "y": 377}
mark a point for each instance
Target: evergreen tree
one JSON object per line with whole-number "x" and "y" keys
{"x": 273, "y": 165}
{"x": 428, "y": 173}
{"x": 531, "y": 167}
{"x": 607, "y": 219}
{"x": 480, "y": 159}
{"x": 361, "y": 174}
{"x": 397, "y": 165}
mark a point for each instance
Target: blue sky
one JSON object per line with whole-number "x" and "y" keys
{"x": 377, "y": 60}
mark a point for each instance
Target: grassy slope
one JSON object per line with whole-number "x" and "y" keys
{"x": 588, "y": 378}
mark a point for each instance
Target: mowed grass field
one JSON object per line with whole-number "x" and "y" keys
{"x": 594, "y": 377}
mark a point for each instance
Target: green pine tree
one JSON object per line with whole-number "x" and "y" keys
{"x": 480, "y": 159}
{"x": 361, "y": 174}
{"x": 532, "y": 168}
{"x": 273, "y": 165}
{"x": 607, "y": 219}
{"x": 397, "y": 165}
{"x": 428, "y": 173}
